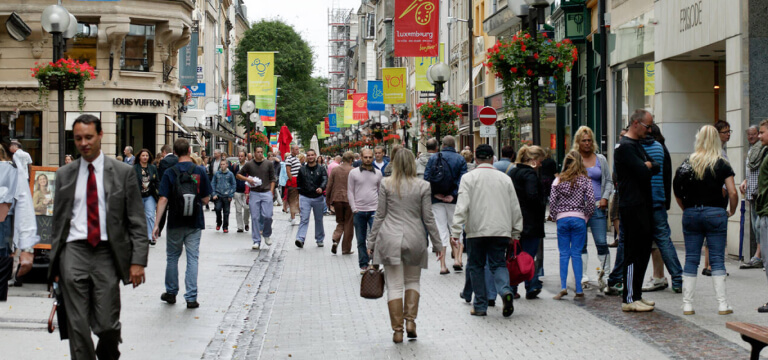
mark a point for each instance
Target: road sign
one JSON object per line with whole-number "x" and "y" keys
{"x": 488, "y": 115}
{"x": 487, "y": 130}
{"x": 197, "y": 90}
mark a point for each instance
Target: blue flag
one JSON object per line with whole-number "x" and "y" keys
{"x": 375, "y": 95}
{"x": 332, "y": 127}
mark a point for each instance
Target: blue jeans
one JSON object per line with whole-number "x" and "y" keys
{"x": 599, "y": 225}
{"x": 363, "y": 221}
{"x": 661, "y": 233}
{"x": 491, "y": 250}
{"x": 150, "y": 205}
{"x": 261, "y": 205}
{"x": 177, "y": 239}
{"x": 316, "y": 205}
{"x": 571, "y": 235}
{"x": 617, "y": 275}
{"x": 467, "y": 292}
{"x": 710, "y": 223}
{"x": 530, "y": 246}
{"x": 6, "y": 235}
{"x": 222, "y": 205}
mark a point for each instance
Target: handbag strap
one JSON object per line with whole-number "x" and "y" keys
{"x": 512, "y": 250}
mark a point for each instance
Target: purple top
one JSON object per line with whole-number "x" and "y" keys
{"x": 595, "y": 174}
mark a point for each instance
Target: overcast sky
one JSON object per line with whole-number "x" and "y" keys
{"x": 308, "y": 17}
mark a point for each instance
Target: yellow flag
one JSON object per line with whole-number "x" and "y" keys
{"x": 348, "y": 112}
{"x": 422, "y": 65}
{"x": 261, "y": 79}
{"x": 649, "y": 72}
{"x": 394, "y": 85}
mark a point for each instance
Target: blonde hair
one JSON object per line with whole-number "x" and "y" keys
{"x": 573, "y": 167}
{"x": 528, "y": 153}
{"x": 584, "y": 130}
{"x": 468, "y": 157}
{"x": 403, "y": 170}
{"x": 708, "y": 150}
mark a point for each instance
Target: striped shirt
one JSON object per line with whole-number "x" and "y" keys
{"x": 295, "y": 165}
{"x": 656, "y": 152}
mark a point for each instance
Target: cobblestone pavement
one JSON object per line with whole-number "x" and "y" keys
{"x": 284, "y": 302}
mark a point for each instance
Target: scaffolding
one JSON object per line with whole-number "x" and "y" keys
{"x": 339, "y": 43}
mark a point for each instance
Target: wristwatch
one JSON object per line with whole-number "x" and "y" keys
{"x": 28, "y": 250}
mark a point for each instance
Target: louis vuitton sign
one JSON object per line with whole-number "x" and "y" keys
{"x": 140, "y": 102}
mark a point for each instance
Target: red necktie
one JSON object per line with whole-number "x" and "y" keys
{"x": 92, "y": 201}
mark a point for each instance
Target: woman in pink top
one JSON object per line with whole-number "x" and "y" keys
{"x": 571, "y": 205}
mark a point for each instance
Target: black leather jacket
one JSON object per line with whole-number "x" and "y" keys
{"x": 311, "y": 178}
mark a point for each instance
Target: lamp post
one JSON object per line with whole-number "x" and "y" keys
{"x": 61, "y": 24}
{"x": 535, "y": 17}
{"x": 247, "y": 108}
{"x": 437, "y": 75}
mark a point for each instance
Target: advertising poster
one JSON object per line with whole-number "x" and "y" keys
{"x": 394, "y": 85}
{"x": 417, "y": 25}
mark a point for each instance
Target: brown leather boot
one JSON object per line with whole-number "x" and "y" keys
{"x": 411, "y": 311}
{"x": 396, "y": 318}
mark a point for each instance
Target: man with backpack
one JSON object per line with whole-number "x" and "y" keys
{"x": 444, "y": 172}
{"x": 184, "y": 189}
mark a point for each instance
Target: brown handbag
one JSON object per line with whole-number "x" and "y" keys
{"x": 372, "y": 283}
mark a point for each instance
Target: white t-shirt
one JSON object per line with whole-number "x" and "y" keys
{"x": 22, "y": 160}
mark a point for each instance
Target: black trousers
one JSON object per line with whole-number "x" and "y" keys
{"x": 638, "y": 237}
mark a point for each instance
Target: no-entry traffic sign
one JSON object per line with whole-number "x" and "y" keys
{"x": 488, "y": 115}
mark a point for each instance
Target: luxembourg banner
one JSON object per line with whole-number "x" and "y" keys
{"x": 359, "y": 107}
{"x": 340, "y": 117}
{"x": 267, "y": 117}
{"x": 332, "y": 126}
{"x": 417, "y": 23}
{"x": 327, "y": 127}
{"x": 321, "y": 131}
{"x": 394, "y": 85}
{"x": 422, "y": 65}
{"x": 261, "y": 79}
{"x": 375, "y": 95}
{"x": 348, "y": 112}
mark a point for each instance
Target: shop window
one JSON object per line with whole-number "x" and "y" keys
{"x": 138, "y": 48}
{"x": 27, "y": 128}
{"x": 83, "y": 46}
{"x": 479, "y": 86}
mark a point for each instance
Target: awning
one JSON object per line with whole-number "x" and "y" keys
{"x": 218, "y": 133}
{"x": 230, "y": 131}
{"x": 187, "y": 132}
{"x": 464, "y": 130}
{"x": 475, "y": 72}
{"x": 182, "y": 128}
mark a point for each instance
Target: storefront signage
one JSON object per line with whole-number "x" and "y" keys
{"x": 188, "y": 62}
{"x": 690, "y": 16}
{"x": 417, "y": 23}
{"x": 140, "y": 102}
{"x": 200, "y": 75}
{"x": 197, "y": 90}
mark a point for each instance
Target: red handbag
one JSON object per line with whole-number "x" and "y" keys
{"x": 520, "y": 265}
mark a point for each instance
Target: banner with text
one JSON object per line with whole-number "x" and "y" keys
{"x": 417, "y": 25}
{"x": 360, "y": 107}
{"x": 649, "y": 72}
{"x": 394, "y": 85}
{"x": 348, "y": 111}
{"x": 268, "y": 117}
{"x": 332, "y": 124}
{"x": 261, "y": 79}
{"x": 340, "y": 117}
{"x": 422, "y": 65}
{"x": 188, "y": 62}
{"x": 327, "y": 127}
{"x": 375, "y": 95}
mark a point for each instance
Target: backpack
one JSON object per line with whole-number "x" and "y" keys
{"x": 184, "y": 195}
{"x": 441, "y": 177}
{"x": 684, "y": 178}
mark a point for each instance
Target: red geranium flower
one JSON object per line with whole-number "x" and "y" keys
{"x": 513, "y": 69}
{"x": 530, "y": 73}
{"x": 551, "y": 58}
{"x": 536, "y": 56}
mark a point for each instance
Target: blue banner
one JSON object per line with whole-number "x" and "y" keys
{"x": 188, "y": 62}
{"x": 375, "y": 95}
{"x": 332, "y": 127}
{"x": 198, "y": 90}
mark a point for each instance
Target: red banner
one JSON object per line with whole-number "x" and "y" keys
{"x": 417, "y": 25}
{"x": 360, "y": 106}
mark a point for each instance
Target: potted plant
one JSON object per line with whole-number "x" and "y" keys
{"x": 259, "y": 138}
{"x": 440, "y": 114}
{"x": 66, "y": 74}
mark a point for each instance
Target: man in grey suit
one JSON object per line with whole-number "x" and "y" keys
{"x": 99, "y": 238}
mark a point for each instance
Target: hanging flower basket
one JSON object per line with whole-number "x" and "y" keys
{"x": 63, "y": 74}
{"x": 442, "y": 113}
{"x": 259, "y": 139}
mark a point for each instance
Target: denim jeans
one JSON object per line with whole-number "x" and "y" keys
{"x": 6, "y": 235}
{"x": 222, "y": 206}
{"x": 150, "y": 206}
{"x": 661, "y": 233}
{"x": 261, "y": 206}
{"x": 617, "y": 275}
{"x": 489, "y": 285}
{"x": 363, "y": 223}
{"x": 571, "y": 234}
{"x": 598, "y": 223}
{"x": 178, "y": 239}
{"x": 491, "y": 250}
{"x": 705, "y": 222}
{"x": 530, "y": 246}
{"x": 315, "y": 205}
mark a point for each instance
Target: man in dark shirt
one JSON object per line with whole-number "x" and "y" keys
{"x": 634, "y": 169}
{"x": 259, "y": 174}
{"x": 312, "y": 180}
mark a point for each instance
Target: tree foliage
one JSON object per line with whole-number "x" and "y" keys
{"x": 302, "y": 99}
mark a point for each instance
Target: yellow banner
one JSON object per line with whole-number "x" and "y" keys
{"x": 394, "y": 85}
{"x": 348, "y": 113}
{"x": 422, "y": 65}
{"x": 261, "y": 79}
{"x": 321, "y": 131}
{"x": 649, "y": 72}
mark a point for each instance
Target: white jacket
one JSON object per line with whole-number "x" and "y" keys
{"x": 487, "y": 205}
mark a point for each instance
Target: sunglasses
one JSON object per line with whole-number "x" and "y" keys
{"x": 645, "y": 126}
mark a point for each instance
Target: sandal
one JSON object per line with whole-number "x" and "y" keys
{"x": 445, "y": 272}
{"x": 561, "y": 294}
{"x": 457, "y": 267}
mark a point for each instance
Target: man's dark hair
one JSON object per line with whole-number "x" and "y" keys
{"x": 308, "y": 150}
{"x": 258, "y": 147}
{"x": 242, "y": 152}
{"x": 432, "y": 144}
{"x": 484, "y": 152}
{"x": 721, "y": 125}
{"x": 508, "y": 152}
{"x": 88, "y": 120}
{"x": 181, "y": 147}
{"x": 166, "y": 149}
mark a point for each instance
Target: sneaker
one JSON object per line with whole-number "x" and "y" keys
{"x": 754, "y": 263}
{"x": 763, "y": 309}
{"x": 362, "y": 269}
{"x": 706, "y": 272}
{"x": 218, "y": 227}
{"x": 247, "y": 228}
{"x": 654, "y": 284}
{"x": 320, "y": 244}
{"x": 533, "y": 294}
{"x": 334, "y": 247}
{"x": 509, "y": 307}
{"x": 295, "y": 221}
{"x": 492, "y": 303}
{"x": 614, "y": 290}
{"x": 677, "y": 290}
{"x": 226, "y": 231}
{"x": 636, "y": 306}
{"x": 299, "y": 244}
{"x": 268, "y": 241}
{"x": 477, "y": 313}
{"x": 193, "y": 305}
{"x": 239, "y": 230}
{"x": 153, "y": 242}
{"x": 256, "y": 246}
{"x": 650, "y": 303}
{"x": 274, "y": 203}
{"x": 169, "y": 298}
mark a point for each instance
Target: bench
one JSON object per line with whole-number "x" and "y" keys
{"x": 755, "y": 335}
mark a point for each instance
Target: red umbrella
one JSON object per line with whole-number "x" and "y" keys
{"x": 284, "y": 140}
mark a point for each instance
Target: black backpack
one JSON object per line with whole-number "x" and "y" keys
{"x": 441, "y": 177}
{"x": 184, "y": 195}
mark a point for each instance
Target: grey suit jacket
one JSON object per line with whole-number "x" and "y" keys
{"x": 126, "y": 224}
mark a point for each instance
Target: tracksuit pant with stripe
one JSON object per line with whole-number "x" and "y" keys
{"x": 638, "y": 237}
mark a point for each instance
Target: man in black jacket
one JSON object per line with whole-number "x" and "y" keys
{"x": 169, "y": 160}
{"x": 634, "y": 170}
{"x": 312, "y": 179}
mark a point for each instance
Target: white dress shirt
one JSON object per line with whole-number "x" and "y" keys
{"x": 78, "y": 226}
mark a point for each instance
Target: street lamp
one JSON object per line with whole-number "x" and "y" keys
{"x": 248, "y": 107}
{"x": 437, "y": 75}
{"x": 61, "y": 24}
